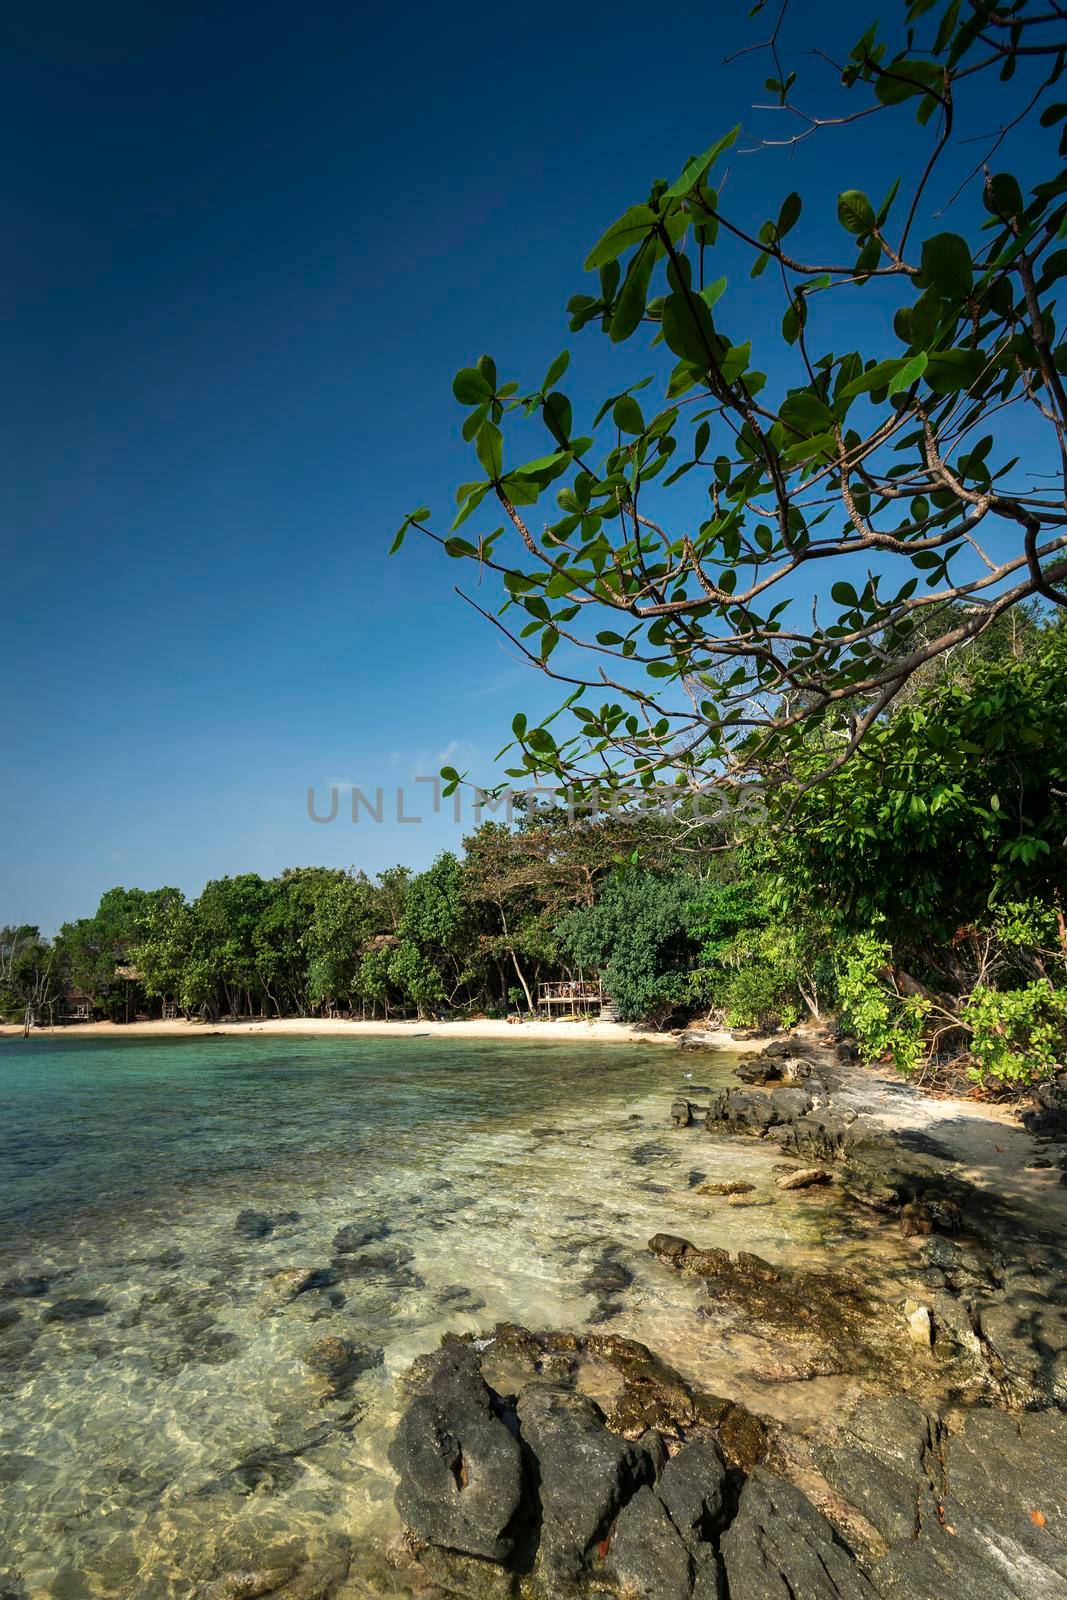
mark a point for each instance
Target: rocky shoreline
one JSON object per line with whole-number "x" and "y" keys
{"x": 535, "y": 1464}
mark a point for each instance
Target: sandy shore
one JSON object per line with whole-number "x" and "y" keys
{"x": 484, "y": 1028}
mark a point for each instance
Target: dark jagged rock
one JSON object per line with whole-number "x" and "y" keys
{"x": 779, "y": 1547}
{"x": 776, "y": 1069}
{"x": 976, "y": 1513}
{"x": 558, "y": 1504}
{"x": 460, "y": 1464}
{"x": 695, "y": 1490}
{"x": 586, "y": 1475}
{"x": 646, "y": 1557}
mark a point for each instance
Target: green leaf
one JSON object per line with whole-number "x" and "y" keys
{"x": 948, "y": 371}
{"x": 490, "y": 448}
{"x": 688, "y": 329}
{"x": 558, "y": 416}
{"x": 630, "y": 306}
{"x": 518, "y": 726}
{"x": 627, "y": 415}
{"x": 946, "y": 265}
{"x": 903, "y": 78}
{"x": 909, "y": 373}
{"x": 542, "y": 466}
{"x": 789, "y": 215}
{"x": 1003, "y": 197}
{"x": 695, "y": 168}
{"x": 556, "y": 370}
{"x": 854, "y": 211}
{"x": 711, "y": 292}
{"x": 845, "y": 595}
{"x": 876, "y": 377}
{"x": 470, "y": 504}
{"x": 629, "y": 229}
{"x": 806, "y": 413}
{"x": 470, "y": 387}
{"x": 413, "y": 516}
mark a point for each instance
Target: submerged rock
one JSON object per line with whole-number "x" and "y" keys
{"x": 293, "y": 1281}
{"x": 355, "y": 1235}
{"x": 26, "y": 1287}
{"x": 338, "y": 1362}
{"x": 256, "y": 1225}
{"x": 75, "y": 1308}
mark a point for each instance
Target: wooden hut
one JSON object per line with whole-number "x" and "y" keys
{"x": 76, "y": 1006}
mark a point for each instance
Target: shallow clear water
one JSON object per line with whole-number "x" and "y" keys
{"x": 172, "y": 1429}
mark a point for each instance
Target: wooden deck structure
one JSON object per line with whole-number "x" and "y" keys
{"x": 76, "y": 1006}
{"x": 576, "y": 995}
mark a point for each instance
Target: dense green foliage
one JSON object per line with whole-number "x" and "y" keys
{"x": 916, "y": 893}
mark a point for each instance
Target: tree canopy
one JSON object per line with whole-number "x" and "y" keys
{"x": 860, "y": 512}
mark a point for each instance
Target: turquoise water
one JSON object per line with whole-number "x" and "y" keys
{"x": 164, "y": 1416}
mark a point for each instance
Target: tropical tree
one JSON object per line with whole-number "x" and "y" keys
{"x": 30, "y": 984}
{"x": 638, "y": 936}
{"x": 859, "y": 511}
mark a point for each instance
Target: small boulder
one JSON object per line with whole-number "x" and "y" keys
{"x": 681, "y": 1113}
{"x": 805, "y": 1178}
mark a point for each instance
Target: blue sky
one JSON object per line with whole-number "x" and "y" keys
{"x": 247, "y": 248}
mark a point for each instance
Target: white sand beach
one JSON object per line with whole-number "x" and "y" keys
{"x": 561, "y": 1032}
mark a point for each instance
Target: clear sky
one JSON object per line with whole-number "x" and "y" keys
{"x": 247, "y": 247}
